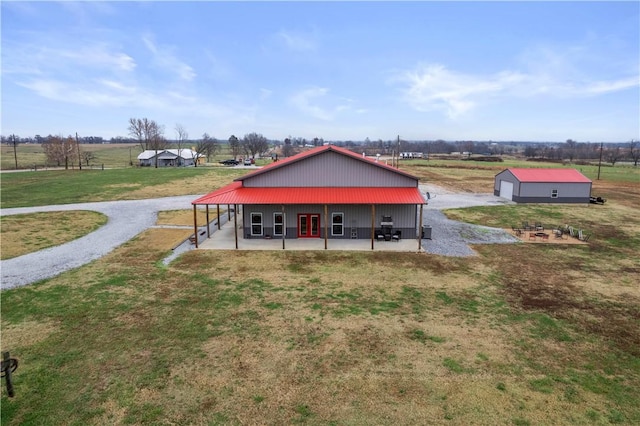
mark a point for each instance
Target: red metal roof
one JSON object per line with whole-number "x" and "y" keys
{"x": 235, "y": 193}
{"x": 549, "y": 175}
{"x": 319, "y": 150}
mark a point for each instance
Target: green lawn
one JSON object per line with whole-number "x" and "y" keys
{"x": 25, "y": 189}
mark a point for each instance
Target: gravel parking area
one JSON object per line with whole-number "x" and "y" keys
{"x": 452, "y": 238}
{"x": 128, "y": 218}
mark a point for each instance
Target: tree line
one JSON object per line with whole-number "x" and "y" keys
{"x": 149, "y": 135}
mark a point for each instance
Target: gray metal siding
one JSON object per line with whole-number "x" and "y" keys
{"x": 540, "y": 192}
{"x": 506, "y": 176}
{"x": 565, "y": 190}
{"x": 549, "y": 200}
{"x": 330, "y": 169}
{"x": 358, "y": 216}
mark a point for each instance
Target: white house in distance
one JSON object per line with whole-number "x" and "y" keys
{"x": 542, "y": 185}
{"x": 170, "y": 158}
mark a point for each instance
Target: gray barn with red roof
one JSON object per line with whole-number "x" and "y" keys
{"x": 542, "y": 185}
{"x": 327, "y": 192}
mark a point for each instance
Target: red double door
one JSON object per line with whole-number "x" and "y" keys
{"x": 308, "y": 225}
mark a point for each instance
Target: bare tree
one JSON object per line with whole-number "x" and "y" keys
{"x": 255, "y": 144}
{"x": 206, "y": 146}
{"x": 234, "y": 146}
{"x": 571, "y": 149}
{"x": 287, "y": 148}
{"x": 181, "y": 138}
{"x": 613, "y": 155}
{"x": 59, "y": 150}
{"x": 148, "y": 133}
{"x": 88, "y": 156}
{"x": 634, "y": 152}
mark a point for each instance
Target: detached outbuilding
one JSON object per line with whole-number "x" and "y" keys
{"x": 543, "y": 186}
{"x": 170, "y": 158}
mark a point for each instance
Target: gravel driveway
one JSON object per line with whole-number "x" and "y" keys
{"x": 452, "y": 238}
{"x": 128, "y": 218}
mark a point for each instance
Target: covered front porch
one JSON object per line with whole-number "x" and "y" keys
{"x": 228, "y": 236}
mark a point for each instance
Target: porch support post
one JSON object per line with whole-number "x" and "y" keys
{"x": 218, "y": 212}
{"x": 420, "y": 229}
{"x": 229, "y": 211}
{"x": 326, "y": 226}
{"x": 235, "y": 222}
{"x": 195, "y": 224}
{"x": 373, "y": 224}
{"x": 208, "y": 230}
{"x": 284, "y": 226}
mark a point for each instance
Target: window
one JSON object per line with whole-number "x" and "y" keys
{"x": 337, "y": 224}
{"x": 278, "y": 222}
{"x": 256, "y": 223}
{"x": 554, "y": 193}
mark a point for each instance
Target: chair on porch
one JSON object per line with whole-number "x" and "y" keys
{"x": 379, "y": 235}
{"x": 396, "y": 236}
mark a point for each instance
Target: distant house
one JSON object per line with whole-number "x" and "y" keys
{"x": 170, "y": 158}
{"x": 326, "y": 192}
{"x": 542, "y": 185}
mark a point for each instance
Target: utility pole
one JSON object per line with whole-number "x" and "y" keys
{"x": 398, "y": 157}
{"x": 78, "y": 149}
{"x": 15, "y": 149}
{"x": 600, "y": 162}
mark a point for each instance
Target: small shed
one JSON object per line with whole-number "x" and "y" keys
{"x": 542, "y": 185}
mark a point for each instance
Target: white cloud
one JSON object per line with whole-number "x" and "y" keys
{"x": 434, "y": 87}
{"x": 297, "y": 41}
{"x": 37, "y": 58}
{"x": 265, "y": 94}
{"x": 316, "y": 103}
{"x": 163, "y": 57}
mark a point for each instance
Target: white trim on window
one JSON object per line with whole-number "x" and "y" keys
{"x": 279, "y": 221}
{"x": 337, "y": 224}
{"x": 554, "y": 193}
{"x": 256, "y": 224}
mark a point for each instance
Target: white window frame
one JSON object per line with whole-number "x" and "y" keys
{"x": 283, "y": 224}
{"x": 333, "y": 223}
{"x": 554, "y": 193}
{"x": 252, "y": 223}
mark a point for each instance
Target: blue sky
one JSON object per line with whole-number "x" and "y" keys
{"x": 543, "y": 71}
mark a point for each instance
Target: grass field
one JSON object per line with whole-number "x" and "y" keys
{"x": 27, "y": 189}
{"x": 118, "y": 156}
{"x": 522, "y": 334}
{"x": 26, "y": 233}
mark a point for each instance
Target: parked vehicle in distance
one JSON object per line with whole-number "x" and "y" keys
{"x": 597, "y": 200}
{"x": 230, "y": 162}
{"x": 247, "y": 162}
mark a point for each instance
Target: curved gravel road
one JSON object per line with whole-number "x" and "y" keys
{"x": 128, "y": 218}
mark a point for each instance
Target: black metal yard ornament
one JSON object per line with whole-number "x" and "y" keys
{"x": 9, "y": 365}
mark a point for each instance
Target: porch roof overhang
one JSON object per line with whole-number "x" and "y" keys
{"x": 235, "y": 193}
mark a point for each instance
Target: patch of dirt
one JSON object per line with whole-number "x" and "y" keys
{"x": 25, "y": 334}
{"x": 538, "y": 283}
